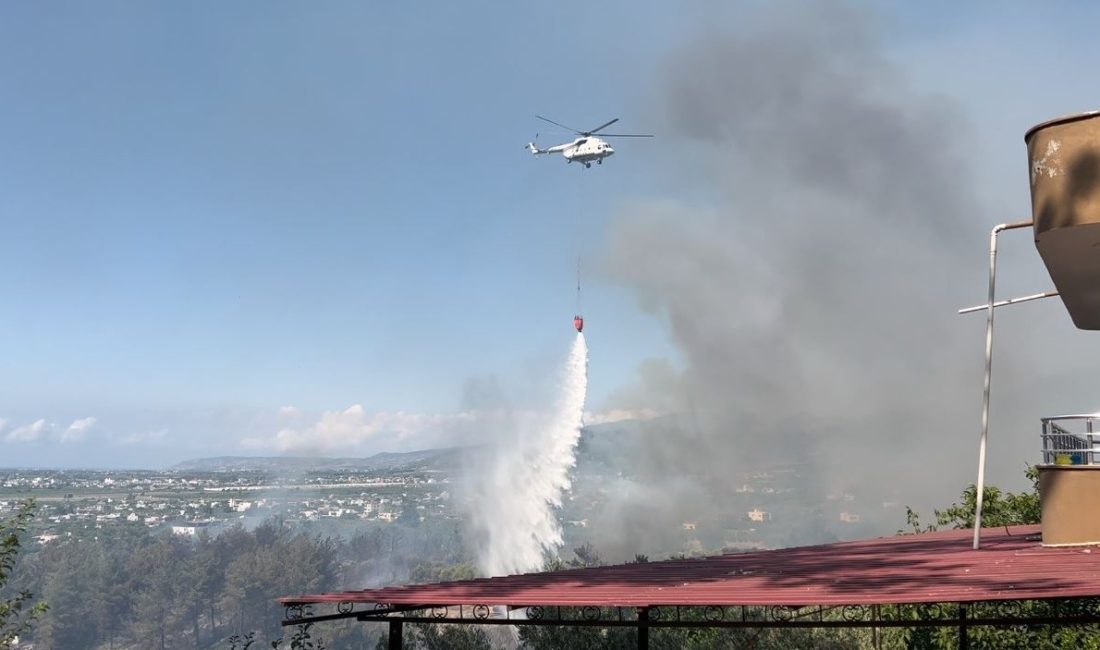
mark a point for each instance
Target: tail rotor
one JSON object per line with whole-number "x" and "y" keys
{"x": 533, "y": 147}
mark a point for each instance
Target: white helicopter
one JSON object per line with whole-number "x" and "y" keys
{"x": 587, "y": 148}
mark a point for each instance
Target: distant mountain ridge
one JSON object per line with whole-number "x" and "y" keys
{"x": 386, "y": 461}
{"x": 599, "y": 444}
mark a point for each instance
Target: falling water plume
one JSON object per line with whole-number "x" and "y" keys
{"x": 517, "y": 489}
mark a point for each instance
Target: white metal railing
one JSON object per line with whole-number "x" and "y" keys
{"x": 1071, "y": 440}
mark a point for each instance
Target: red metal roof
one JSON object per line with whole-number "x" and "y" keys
{"x": 925, "y": 568}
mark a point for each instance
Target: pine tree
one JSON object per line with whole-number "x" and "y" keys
{"x": 18, "y": 613}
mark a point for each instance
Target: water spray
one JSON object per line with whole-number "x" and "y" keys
{"x": 518, "y": 491}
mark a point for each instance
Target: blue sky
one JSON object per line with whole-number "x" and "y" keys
{"x": 212, "y": 212}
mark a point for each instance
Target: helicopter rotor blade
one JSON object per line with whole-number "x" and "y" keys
{"x": 626, "y": 135}
{"x": 567, "y": 128}
{"x": 602, "y": 126}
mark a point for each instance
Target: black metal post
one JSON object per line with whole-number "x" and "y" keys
{"x": 875, "y": 641}
{"x": 964, "y": 643}
{"x": 395, "y": 634}
{"x": 643, "y": 628}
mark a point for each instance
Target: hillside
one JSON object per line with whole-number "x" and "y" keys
{"x": 427, "y": 459}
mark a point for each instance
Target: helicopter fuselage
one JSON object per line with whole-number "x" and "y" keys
{"x": 587, "y": 150}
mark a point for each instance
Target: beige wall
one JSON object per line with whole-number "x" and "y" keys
{"x": 1070, "y": 500}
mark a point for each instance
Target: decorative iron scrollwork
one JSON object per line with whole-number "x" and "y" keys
{"x": 1020, "y": 615}
{"x": 929, "y": 611}
{"x": 1006, "y": 609}
{"x": 853, "y": 613}
{"x": 780, "y": 613}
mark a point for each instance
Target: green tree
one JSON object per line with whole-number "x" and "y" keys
{"x": 540, "y": 637}
{"x": 111, "y": 605}
{"x": 280, "y": 563}
{"x": 440, "y": 572}
{"x": 17, "y": 612}
{"x": 445, "y": 637}
{"x": 206, "y": 578}
{"x": 998, "y": 508}
{"x": 68, "y": 586}
{"x": 155, "y": 573}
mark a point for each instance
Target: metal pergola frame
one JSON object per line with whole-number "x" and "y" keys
{"x": 1059, "y": 612}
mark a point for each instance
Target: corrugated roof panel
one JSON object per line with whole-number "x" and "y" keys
{"x": 926, "y": 568}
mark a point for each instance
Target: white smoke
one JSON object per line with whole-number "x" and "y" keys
{"x": 516, "y": 485}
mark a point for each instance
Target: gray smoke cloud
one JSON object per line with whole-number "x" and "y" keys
{"x": 810, "y": 282}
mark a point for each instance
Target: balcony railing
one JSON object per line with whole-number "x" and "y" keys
{"x": 1071, "y": 440}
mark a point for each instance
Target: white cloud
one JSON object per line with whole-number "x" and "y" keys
{"x": 354, "y": 430}
{"x": 30, "y": 432}
{"x": 78, "y": 430}
{"x": 290, "y": 412}
{"x": 42, "y": 429}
